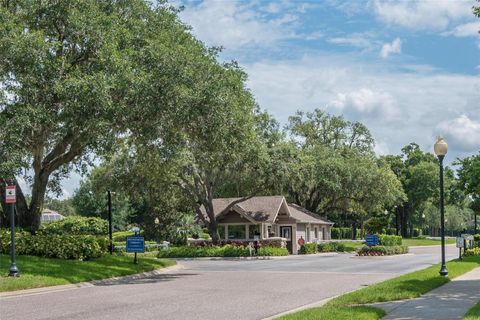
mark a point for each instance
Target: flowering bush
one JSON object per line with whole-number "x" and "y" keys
{"x": 472, "y": 252}
{"x": 381, "y": 250}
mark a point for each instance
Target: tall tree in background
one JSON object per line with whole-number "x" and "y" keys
{"x": 469, "y": 180}
{"x": 75, "y": 74}
{"x": 331, "y": 166}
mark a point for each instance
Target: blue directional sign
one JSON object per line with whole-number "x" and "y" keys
{"x": 135, "y": 244}
{"x": 371, "y": 240}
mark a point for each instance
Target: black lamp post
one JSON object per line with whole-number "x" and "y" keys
{"x": 441, "y": 148}
{"x": 110, "y": 227}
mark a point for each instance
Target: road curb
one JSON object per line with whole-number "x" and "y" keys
{"x": 65, "y": 287}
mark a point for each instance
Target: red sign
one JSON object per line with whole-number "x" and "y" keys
{"x": 10, "y": 195}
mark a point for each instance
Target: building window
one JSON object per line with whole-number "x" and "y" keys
{"x": 236, "y": 231}
{"x": 270, "y": 232}
{"x": 316, "y": 233}
{"x": 324, "y": 236}
{"x": 221, "y": 231}
{"x": 308, "y": 234}
{"x": 253, "y": 230}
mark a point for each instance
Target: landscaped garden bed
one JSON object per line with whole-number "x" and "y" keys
{"x": 219, "y": 251}
{"x": 382, "y": 250}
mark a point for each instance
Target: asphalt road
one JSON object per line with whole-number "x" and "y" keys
{"x": 221, "y": 289}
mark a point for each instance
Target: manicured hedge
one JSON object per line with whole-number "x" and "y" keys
{"x": 382, "y": 250}
{"x": 270, "y": 242}
{"x": 389, "y": 240}
{"x": 77, "y": 225}
{"x": 308, "y": 248}
{"x": 82, "y": 247}
{"x": 214, "y": 251}
{"x": 331, "y": 247}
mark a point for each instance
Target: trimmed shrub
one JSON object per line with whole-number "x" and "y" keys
{"x": 272, "y": 251}
{"x": 81, "y": 247}
{"x": 381, "y": 250}
{"x": 213, "y": 251}
{"x": 472, "y": 252}
{"x": 308, "y": 248}
{"x": 77, "y": 225}
{"x": 331, "y": 247}
{"x": 389, "y": 240}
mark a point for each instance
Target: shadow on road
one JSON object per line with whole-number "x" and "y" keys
{"x": 154, "y": 278}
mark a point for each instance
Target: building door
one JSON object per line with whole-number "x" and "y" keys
{"x": 286, "y": 232}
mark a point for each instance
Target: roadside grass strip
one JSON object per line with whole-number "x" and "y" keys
{"x": 424, "y": 242}
{"x": 408, "y": 286}
{"x": 474, "y": 313}
{"x": 36, "y": 272}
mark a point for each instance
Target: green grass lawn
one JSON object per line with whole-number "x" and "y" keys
{"x": 407, "y": 286}
{"x": 425, "y": 242}
{"x": 38, "y": 272}
{"x": 474, "y": 313}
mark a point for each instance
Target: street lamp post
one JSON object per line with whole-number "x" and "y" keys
{"x": 441, "y": 148}
{"x": 110, "y": 227}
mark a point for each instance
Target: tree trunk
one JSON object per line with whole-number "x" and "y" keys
{"x": 354, "y": 230}
{"x": 403, "y": 222}
{"x": 30, "y": 217}
{"x": 213, "y": 229}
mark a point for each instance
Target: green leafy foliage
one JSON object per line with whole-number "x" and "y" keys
{"x": 342, "y": 233}
{"x": 382, "y": 250}
{"x": 215, "y": 251}
{"x": 389, "y": 240}
{"x": 308, "y": 248}
{"x": 472, "y": 252}
{"x": 331, "y": 247}
{"x": 76, "y": 225}
{"x": 81, "y": 247}
{"x": 376, "y": 225}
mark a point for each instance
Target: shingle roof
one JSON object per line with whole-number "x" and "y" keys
{"x": 303, "y": 215}
{"x": 261, "y": 209}
{"x": 265, "y": 209}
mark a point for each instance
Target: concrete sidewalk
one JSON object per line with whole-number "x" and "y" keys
{"x": 448, "y": 302}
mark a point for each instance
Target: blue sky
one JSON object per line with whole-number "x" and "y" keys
{"x": 409, "y": 70}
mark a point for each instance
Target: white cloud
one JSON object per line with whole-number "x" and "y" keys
{"x": 235, "y": 24}
{"x": 464, "y": 30}
{"x": 366, "y": 103}
{"x": 461, "y": 131}
{"x": 398, "y": 107}
{"x": 389, "y": 48}
{"x": 358, "y": 40}
{"x": 422, "y": 14}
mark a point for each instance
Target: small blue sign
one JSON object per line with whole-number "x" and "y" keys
{"x": 135, "y": 244}
{"x": 371, "y": 240}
